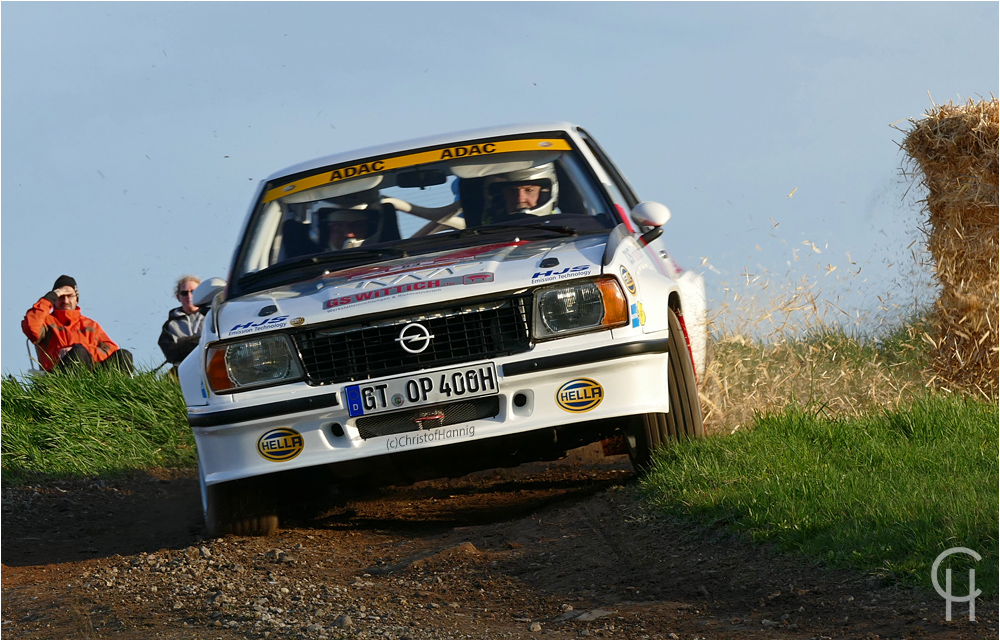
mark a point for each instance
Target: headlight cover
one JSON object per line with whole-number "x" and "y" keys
{"x": 580, "y": 306}
{"x": 268, "y": 360}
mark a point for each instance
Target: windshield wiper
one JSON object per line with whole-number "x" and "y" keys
{"x": 515, "y": 229}
{"x": 466, "y": 237}
{"x": 321, "y": 259}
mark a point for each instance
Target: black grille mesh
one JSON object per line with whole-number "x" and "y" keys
{"x": 461, "y": 333}
{"x": 428, "y": 417}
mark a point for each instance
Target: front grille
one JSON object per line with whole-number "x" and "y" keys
{"x": 426, "y": 418}
{"x": 341, "y": 353}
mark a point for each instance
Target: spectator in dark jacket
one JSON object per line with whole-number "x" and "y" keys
{"x": 182, "y": 331}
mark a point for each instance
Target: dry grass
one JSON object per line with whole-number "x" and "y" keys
{"x": 827, "y": 369}
{"x": 954, "y": 153}
{"x": 776, "y": 340}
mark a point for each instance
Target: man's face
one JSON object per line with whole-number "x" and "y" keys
{"x": 342, "y": 230}
{"x": 66, "y": 298}
{"x": 523, "y": 196}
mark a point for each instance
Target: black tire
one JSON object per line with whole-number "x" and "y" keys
{"x": 238, "y": 508}
{"x": 649, "y": 432}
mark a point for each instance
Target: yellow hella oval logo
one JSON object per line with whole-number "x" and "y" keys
{"x": 280, "y": 444}
{"x": 580, "y": 395}
{"x": 629, "y": 281}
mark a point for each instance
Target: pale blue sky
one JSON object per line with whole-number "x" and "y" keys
{"x": 134, "y": 134}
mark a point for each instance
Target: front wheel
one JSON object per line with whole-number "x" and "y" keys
{"x": 649, "y": 432}
{"x": 236, "y": 508}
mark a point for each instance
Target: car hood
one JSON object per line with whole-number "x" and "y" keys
{"x": 398, "y": 284}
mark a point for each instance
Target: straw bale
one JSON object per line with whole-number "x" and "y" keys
{"x": 954, "y": 151}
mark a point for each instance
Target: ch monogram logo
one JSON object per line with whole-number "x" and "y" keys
{"x": 415, "y": 338}
{"x": 946, "y": 592}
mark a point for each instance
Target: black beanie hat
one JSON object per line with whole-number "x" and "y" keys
{"x": 64, "y": 281}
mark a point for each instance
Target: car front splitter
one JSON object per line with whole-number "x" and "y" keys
{"x": 245, "y": 414}
{"x": 597, "y": 355}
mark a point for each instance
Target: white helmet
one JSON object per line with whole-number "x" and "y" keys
{"x": 544, "y": 176}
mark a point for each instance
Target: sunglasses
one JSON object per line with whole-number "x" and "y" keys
{"x": 185, "y": 292}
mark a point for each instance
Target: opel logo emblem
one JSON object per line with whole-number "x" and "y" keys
{"x": 414, "y": 338}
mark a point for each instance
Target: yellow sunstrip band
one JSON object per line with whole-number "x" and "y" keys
{"x": 410, "y": 160}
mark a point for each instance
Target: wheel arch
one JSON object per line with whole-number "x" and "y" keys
{"x": 674, "y": 304}
{"x": 690, "y": 313}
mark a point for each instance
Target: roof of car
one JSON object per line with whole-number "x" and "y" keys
{"x": 429, "y": 141}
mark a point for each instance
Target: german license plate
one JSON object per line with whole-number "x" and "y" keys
{"x": 405, "y": 392}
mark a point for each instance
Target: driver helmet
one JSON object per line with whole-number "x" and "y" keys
{"x": 347, "y": 228}
{"x": 502, "y": 195}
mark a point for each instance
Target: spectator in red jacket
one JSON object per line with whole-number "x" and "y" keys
{"x": 65, "y": 337}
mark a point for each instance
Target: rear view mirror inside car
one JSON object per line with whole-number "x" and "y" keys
{"x": 421, "y": 178}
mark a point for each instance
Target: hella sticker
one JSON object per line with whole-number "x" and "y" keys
{"x": 628, "y": 280}
{"x": 280, "y": 444}
{"x": 295, "y": 322}
{"x": 580, "y": 395}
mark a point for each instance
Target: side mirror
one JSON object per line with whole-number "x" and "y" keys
{"x": 205, "y": 292}
{"x": 650, "y": 214}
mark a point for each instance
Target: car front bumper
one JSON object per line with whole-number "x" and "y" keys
{"x": 317, "y": 430}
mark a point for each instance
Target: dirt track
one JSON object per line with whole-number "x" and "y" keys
{"x": 538, "y": 552}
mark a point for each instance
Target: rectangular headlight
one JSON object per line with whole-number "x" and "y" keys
{"x": 259, "y": 362}
{"x": 580, "y": 306}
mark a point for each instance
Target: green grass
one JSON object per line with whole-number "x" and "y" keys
{"x": 86, "y": 424}
{"x": 883, "y": 493}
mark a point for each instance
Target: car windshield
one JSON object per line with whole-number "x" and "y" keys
{"x": 419, "y": 202}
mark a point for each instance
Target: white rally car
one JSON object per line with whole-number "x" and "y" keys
{"x": 436, "y": 307}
